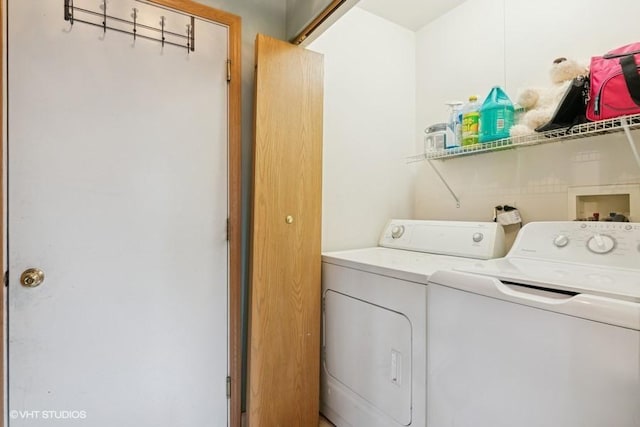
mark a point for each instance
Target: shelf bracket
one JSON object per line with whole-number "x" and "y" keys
{"x": 632, "y": 144}
{"x": 444, "y": 181}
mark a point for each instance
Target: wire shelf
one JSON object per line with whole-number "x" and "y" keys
{"x": 584, "y": 130}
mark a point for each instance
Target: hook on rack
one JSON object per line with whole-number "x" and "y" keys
{"x": 162, "y": 29}
{"x": 188, "y": 38}
{"x": 134, "y": 15}
{"x": 68, "y": 11}
{"x": 190, "y": 35}
{"x": 104, "y": 16}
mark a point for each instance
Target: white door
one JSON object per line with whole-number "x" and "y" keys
{"x": 117, "y": 191}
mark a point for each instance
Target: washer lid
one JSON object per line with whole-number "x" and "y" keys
{"x": 579, "y": 278}
{"x": 397, "y": 263}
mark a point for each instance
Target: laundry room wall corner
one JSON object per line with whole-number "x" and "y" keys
{"x": 368, "y": 127}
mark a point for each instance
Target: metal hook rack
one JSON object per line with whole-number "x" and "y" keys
{"x": 188, "y": 39}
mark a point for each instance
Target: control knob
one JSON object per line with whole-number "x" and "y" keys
{"x": 397, "y": 231}
{"x": 477, "y": 237}
{"x": 601, "y": 244}
{"x": 561, "y": 241}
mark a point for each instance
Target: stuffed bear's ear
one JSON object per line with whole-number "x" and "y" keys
{"x": 559, "y": 60}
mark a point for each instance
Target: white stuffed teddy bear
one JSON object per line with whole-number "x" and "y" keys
{"x": 540, "y": 104}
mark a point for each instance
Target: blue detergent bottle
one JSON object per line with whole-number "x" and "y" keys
{"x": 496, "y": 116}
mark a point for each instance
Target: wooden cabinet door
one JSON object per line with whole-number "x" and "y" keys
{"x": 284, "y": 314}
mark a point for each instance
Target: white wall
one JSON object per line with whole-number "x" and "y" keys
{"x": 523, "y": 39}
{"x": 454, "y": 61}
{"x": 369, "y": 118}
{"x": 300, "y": 13}
{"x": 510, "y": 43}
{"x": 538, "y": 32}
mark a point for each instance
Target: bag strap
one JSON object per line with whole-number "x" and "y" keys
{"x": 619, "y": 55}
{"x": 631, "y": 76}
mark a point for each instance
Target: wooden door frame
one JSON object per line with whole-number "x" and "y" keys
{"x": 233, "y": 23}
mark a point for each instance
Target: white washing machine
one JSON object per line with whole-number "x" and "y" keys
{"x": 374, "y": 320}
{"x": 547, "y": 336}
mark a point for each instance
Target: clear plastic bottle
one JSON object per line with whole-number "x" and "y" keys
{"x": 454, "y": 132}
{"x": 470, "y": 121}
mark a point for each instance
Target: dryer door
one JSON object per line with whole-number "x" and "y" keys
{"x": 368, "y": 350}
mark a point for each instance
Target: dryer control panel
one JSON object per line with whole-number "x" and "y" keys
{"x": 615, "y": 244}
{"x": 482, "y": 240}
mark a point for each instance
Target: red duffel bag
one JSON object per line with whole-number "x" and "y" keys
{"x": 615, "y": 84}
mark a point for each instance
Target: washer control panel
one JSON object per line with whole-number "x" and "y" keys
{"x": 600, "y": 243}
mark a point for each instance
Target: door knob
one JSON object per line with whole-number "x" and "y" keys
{"x": 32, "y": 277}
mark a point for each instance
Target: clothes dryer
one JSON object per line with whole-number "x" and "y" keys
{"x": 374, "y": 318}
